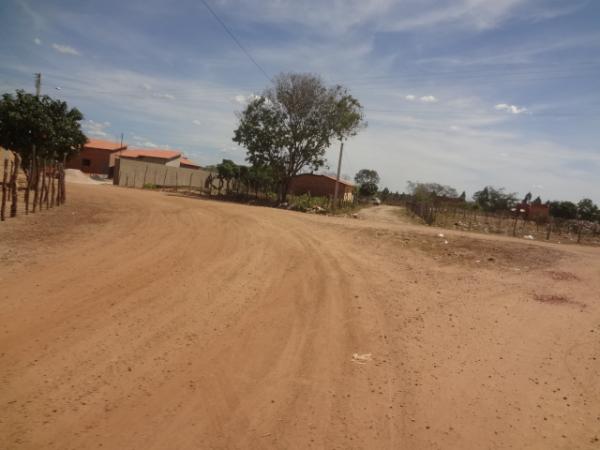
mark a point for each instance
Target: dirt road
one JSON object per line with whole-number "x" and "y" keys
{"x": 139, "y": 320}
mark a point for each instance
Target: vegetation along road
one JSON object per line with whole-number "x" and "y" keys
{"x": 141, "y": 320}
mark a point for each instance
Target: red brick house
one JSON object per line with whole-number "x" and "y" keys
{"x": 321, "y": 186}
{"x": 98, "y": 156}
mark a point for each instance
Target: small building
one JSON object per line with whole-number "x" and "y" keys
{"x": 170, "y": 158}
{"x": 188, "y": 164}
{"x": 97, "y": 156}
{"x": 321, "y": 186}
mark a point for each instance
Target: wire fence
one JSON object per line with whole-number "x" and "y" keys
{"x": 507, "y": 223}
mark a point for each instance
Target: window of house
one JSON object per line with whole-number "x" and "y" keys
{"x": 86, "y": 162}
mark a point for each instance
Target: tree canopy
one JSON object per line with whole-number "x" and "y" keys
{"x": 50, "y": 125}
{"x": 291, "y": 125}
{"x": 493, "y": 199}
{"x": 367, "y": 181}
{"x": 428, "y": 191}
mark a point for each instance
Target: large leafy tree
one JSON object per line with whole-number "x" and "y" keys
{"x": 49, "y": 126}
{"x": 291, "y": 125}
{"x": 587, "y": 210}
{"x": 493, "y": 199}
{"x": 563, "y": 210}
{"x": 367, "y": 181}
{"x": 424, "y": 192}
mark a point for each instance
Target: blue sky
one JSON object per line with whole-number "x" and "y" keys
{"x": 461, "y": 92}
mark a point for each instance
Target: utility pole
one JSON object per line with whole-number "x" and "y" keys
{"x": 337, "y": 181}
{"x": 38, "y": 84}
{"x": 121, "y": 140}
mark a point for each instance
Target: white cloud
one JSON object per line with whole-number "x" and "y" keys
{"x": 197, "y": 122}
{"x": 165, "y": 96}
{"x": 410, "y": 97}
{"x": 37, "y": 41}
{"x": 513, "y": 109}
{"x": 97, "y": 129}
{"x": 428, "y": 99}
{"x": 150, "y": 144}
{"x": 146, "y": 86}
{"x": 65, "y": 49}
{"x": 244, "y": 99}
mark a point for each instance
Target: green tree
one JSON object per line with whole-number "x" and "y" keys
{"x": 291, "y": 125}
{"x": 48, "y": 125}
{"x": 384, "y": 194}
{"x": 493, "y": 199}
{"x": 537, "y": 201}
{"x": 425, "y": 192}
{"x": 227, "y": 170}
{"x": 367, "y": 181}
{"x": 366, "y": 176}
{"x": 587, "y": 210}
{"x": 563, "y": 210}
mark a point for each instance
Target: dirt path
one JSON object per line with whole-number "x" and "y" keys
{"x": 139, "y": 320}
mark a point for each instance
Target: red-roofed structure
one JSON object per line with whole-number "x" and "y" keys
{"x": 98, "y": 156}
{"x": 166, "y": 157}
{"x": 188, "y": 164}
{"x": 321, "y": 186}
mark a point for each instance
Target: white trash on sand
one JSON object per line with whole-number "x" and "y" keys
{"x": 361, "y": 358}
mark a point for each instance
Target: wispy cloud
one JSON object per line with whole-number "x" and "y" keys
{"x": 37, "y": 41}
{"x": 67, "y": 49}
{"x": 423, "y": 99}
{"x": 513, "y": 109}
{"x": 96, "y": 129}
{"x": 428, "y": 99}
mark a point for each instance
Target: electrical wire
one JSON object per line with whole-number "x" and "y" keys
{"x": 236, "y": 40}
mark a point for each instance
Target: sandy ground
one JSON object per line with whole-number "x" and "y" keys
{"x": 140, "y": 320}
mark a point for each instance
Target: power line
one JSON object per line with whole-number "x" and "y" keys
{"x": 239, "y": 44}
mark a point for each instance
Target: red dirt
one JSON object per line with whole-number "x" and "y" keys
{"x": 139, "y": 320}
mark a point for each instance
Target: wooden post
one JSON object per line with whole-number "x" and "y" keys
{"x": 36, "y": 181}
{"x": 29, "y": 177}
{"x": 63, "y": 180}
{"x": 48, "y": 181}
{"x": 14, "y": 190}
{"x": 53, "y": 172}
{"x": 43, "y": 188}
{"x": 4, "y": 182}
{"x": 190, "y": 187}
{"x": 165, "y": 179}
{"x": 145, "y": 173}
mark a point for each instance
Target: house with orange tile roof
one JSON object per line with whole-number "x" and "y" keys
{"x": 97, "y": 156}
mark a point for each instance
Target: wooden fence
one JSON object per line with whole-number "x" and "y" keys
{"x": 41, "y": 186}
{"x": 507, "y": 222}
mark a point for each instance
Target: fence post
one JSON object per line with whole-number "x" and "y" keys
{"x": 14, "y": 190}
{"x": 4, "y": 181}
{"x": 145, "y": 173}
